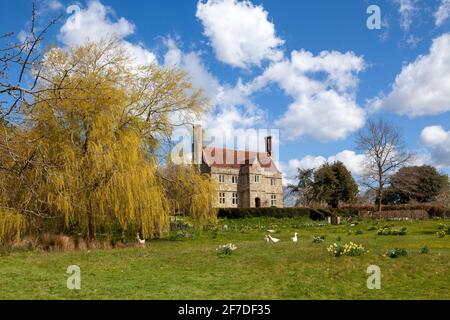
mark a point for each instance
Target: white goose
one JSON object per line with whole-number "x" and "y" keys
{"x": 266, "y": 238}
{"x": 141, "y": 241}
{"x": 273, "y": 240}
{"x": 295, "y": 238}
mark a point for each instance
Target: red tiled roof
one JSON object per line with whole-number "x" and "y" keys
{"x": 235, "y": 159}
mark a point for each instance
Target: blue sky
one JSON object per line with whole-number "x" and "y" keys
{"x": 309, "y": 68}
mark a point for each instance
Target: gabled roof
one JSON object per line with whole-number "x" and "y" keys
{"x": 235, "y": 159}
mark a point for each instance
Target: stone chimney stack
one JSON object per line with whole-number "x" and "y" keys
{"x": 197, "y": 145}
{"x": 269, "y": 145}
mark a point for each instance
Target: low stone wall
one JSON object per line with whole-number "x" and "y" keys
{"x": 397, "y": 215}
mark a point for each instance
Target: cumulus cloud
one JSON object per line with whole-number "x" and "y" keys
{"x": 353, "y": 161}
{"x": 423, "y": 86}
{"x": 323, "y": 89}
{"x": 232, "y": 111}
{"x": 240, "y": 32}
{"x": 325, "y": 116}
{"x": 443, "y": 12}
{"x": 94, "y": 23}
{"x": 437, "y": 140}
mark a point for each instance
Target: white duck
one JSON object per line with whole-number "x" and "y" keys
{"x": 141, "y": 241}
{"x": 295, "y": 238}
{"x": 273, "y": 240}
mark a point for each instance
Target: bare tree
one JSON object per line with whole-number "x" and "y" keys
{"x": 383, "y": 146}
{"x": 20, "y": 59}
{"x": 20, "y": 73}
{"x": 304, "y": 189}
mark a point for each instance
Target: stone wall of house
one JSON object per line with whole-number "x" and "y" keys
{"x": 251, "y": 187}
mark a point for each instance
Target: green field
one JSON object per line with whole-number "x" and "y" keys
{"x": 191, "y": 269}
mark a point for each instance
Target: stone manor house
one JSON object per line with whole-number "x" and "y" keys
{"x": 245, "y": 179}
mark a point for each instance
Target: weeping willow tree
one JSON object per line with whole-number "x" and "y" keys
{"x": 191, "y": 193}
{"x": 12, "y": 225}
{"x": 15, "y": 157}
{"x": 87, "y": 147}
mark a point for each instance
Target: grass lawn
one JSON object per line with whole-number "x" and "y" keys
{"x": 191, "y": 269}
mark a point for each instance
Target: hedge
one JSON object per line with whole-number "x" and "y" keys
{"x": 315, "y": 214}
{"x": 322, "y": 214}
{"x": 433, "y": 210}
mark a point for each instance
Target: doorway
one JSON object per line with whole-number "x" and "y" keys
{"x": 257, "y": 202}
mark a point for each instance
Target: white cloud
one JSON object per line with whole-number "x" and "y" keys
{"x": 240, "y": 32}
{"x": 94, "y": 23}
{"x": 407, "y": 10}
{"x": 55, "y": 5}
{"x": 353, "y": 161}
{"x": 139, "y": 54}
{"x": 434, "y": 135}
{"x": 325, "y": 116}
{"x": 443, "y": 12}
{"x": 423, "y": 86}
{"x": 232, "y": 110}
{"x": 437, "y": 140}
{"x": 323, "y": 88}
{"x": 289, "y": 169}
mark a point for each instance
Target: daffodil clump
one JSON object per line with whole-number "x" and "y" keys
{"x": 226, "y": 250}
{"x": 350, "y": 249}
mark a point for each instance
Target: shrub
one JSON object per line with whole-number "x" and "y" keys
{"x": 318, "y": 239}
{"x": 182, "y": 225}
{"x": 444, "y": 227}
{"x": 389, "y": 231}
{"x": 226, "y": 250}
{"x": 177, "y": 235}
{"x": 436, "y": 211}
{"x": 396, "y": 253}
{"x": 53, "y": 242}
{"x": 432, "y": 209}
{"x": 424, "y": 250}
{"x": 447, "y": 213}
{"x": 441, "y": 234}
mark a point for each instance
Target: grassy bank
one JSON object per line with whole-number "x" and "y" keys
{"x": 191, "y": 269}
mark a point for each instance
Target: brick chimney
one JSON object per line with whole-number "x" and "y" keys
{"x": 269, "y": 145}
{"x": 197, "y": 145}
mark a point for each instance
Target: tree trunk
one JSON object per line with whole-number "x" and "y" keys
{"x": 380, "y": 188}
{"x": 379, "y": 205}
{"x": 335, "y": 204}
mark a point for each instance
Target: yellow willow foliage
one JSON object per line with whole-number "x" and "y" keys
{"x": 192, "y": 194}
{"x": 11, "y": 226}
{"x": 94, "y": 125}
